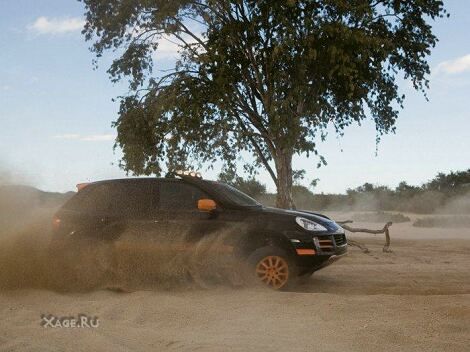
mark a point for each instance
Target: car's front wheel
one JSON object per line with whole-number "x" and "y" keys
{"x": 272, "y": 267}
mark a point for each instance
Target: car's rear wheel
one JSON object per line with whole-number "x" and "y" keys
{"x": 272, "y": 267}
{"x": 79, "y": 263}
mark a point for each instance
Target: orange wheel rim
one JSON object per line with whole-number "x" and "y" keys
{"x": 273, "y": 271}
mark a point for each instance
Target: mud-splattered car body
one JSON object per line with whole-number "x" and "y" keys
{"x": 185, "y": 210}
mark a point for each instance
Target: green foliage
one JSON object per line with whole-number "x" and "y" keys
{"x": 314, "y": 183}
{"x": 452, "y": 182}
{"x": 406, "y": 191}
{"x": 453, "y": 197}
{"x": 431, "y": 196}
{"x": 298, "y": 176}
{"x": 249, "y": 186}
{"x": 260, "y": 77}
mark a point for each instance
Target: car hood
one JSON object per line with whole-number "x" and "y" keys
{"x": 318, "y": 218}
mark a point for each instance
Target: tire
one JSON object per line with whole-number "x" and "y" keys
{"x": 272, "y": 267}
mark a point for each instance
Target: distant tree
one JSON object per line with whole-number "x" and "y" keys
{"x": 453, "y": 181}
{"x": 257, "y": 76}
{"x": 406, "y": 191}
{"x": 370, "y": 188}
{"x": 250, "y": 186}
{"x": 366, "y": 187}
{"x": 303, "y": 197}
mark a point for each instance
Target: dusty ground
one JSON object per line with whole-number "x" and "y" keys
{"x": 414, "y": 299}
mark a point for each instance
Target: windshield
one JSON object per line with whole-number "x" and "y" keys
{"x": 234, "y": 195}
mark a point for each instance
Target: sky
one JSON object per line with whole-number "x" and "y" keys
{"x": 56, "y": 110}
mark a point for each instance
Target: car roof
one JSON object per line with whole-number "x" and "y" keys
{"x": 137, "y": 180}
{"x": 204, "y": 185}
{"x": 132, "y": 179}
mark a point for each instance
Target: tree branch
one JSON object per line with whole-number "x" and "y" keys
{"x": 258, "y": 149}
{"x": 385, "y": 231}
{"x": 191, "y": 34}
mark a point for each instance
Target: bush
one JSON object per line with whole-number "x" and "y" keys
{"x": 451, "y": 221}
{"x": 424, "y": 203}
{"x": 381, "y": 216}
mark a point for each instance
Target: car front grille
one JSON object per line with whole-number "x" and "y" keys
{"x": 325, "y": 243}
{"x": 340, "y": 239}
{"x": 328, "y": 243}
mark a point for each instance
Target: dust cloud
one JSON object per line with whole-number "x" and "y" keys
{"x": 457, "y": 205}
{"x": 32, "y": 257}
{"x": 415, "y": 298}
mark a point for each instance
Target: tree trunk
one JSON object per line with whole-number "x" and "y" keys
{"x": 283, "y": 162}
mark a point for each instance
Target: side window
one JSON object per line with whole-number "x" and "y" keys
{"x": 91, "y": 199}
{"x": 127, "y": 199}
{"x": 130, "y": 199}
{"x": 179, "y": 196}
{"x": 100, "y": 199}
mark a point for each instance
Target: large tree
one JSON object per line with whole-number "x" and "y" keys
{"x": 264, "y": 78}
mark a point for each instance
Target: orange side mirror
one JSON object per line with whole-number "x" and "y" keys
{"x": 206, "y": 205}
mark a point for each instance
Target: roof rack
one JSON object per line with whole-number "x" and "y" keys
{"x": 188, "y": 173}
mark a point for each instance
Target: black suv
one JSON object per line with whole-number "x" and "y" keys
{"x": 278, "y": 245}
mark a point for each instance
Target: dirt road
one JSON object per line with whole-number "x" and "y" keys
{"x": 414, "y": 299}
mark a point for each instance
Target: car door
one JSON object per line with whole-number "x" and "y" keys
{"x": 142, "y": 238}
{"x": 132, "y": 207}
{"x": 87, "y": 214}
{"x": 178, "y": 212}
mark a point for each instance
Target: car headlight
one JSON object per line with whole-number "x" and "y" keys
{"x": 309, "y": 225}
